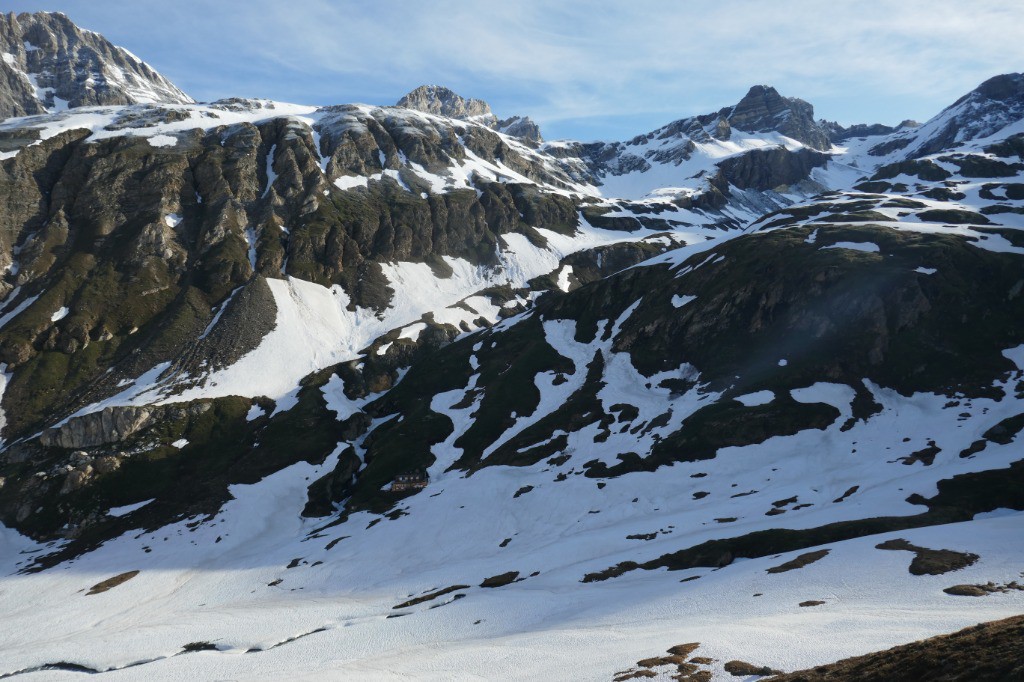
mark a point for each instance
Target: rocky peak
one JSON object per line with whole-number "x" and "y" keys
{"x": 439, "y": 100}
{"x": 988, "y": 108}
{"x": 763, "y": 109}
{"x": 523, "y": 127}
{"x": 49, "y": 63}
{"x": 1008, "y": 87}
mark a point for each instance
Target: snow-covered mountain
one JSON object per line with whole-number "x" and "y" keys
{"x": 744, "y": 391}
{"x": 50, "y": 64}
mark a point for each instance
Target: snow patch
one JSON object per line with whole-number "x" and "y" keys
{"x": 271, "y": 175}
{"x": 412, "y": 332}
{"x": 338, "y": 402}
{"x": 346, "y": 182}
{"x": 563, "y": 277}
{"x": 158, "y": 140}
{"x": 680, "y": 301}
{"x": 756, "y": 398}
{"x": 867, "y": 247}
{"x": 1015, "y": 355}
{"x": 128, "y": 508}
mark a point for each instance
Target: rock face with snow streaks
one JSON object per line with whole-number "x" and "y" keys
{"x": 763, "y": 109}
{"x": 50, "y": 64}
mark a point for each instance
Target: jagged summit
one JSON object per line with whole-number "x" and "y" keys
{"x": 763, "y": 109}
{"x": 442, "y": 101}
{"x": 49, "y": 64}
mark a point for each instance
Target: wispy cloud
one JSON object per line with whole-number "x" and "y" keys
{"x": 575, "y": 61}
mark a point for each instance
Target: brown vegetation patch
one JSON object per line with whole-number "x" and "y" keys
{"x": 111, "y": 583}
{"x": 982, "y": 590}
{"x": 430, "y": 596}
{"x": 742, "y": 669}
{"x": 634, "y": 674}
{"x": 847, "y": 493}
{"x": 800, "y": 561}
{"x": 931, "y": 561}
{"x": 677, "y": 655}
{"x": 500, "y": 580}
{"x": 990, "y": 652}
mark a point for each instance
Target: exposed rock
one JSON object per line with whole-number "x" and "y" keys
{"x": 931, "y": 561}
{"x": 765, "y": 169}
{"x": 53, "y": 64}
{"x": 76, "y": 479}
{"x": 439, "y": 100}
{"x": 500, "y": 580}
{"x": 838, "y": 133}
{"x": 763, "y": 109}
{"x": 522, "y": 127}
{"x": 115, "y": 424}
{"x": 980, "y": 113}
{"x": 107, "y": 464}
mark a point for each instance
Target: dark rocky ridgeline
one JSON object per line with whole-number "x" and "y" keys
{"x": 144, "y": 246}
{"x": 143, "y": 243}
{"x": 833, "y": 315}
{"x": 768, "y": 169}
{"x": 80, "y": 67}
{"x": 838, "y": 133}
{"x": 981, "y": 112}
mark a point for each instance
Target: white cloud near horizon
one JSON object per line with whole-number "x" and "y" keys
{"x": 575, "y": 61}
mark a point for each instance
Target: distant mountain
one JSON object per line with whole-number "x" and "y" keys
{"x": 50, "y": 64}
{"x": 439, "y": 100}
{"x": 988, "y": 109}
{"x": 763, "y": 109}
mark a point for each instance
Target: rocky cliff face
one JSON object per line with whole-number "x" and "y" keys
{"x": 764, "y": 109}
{"x": 173, "y": 230}
{"x": 50, "y": 64}
{"x": 441, "y": 101}
{"x": 522, "y": 127}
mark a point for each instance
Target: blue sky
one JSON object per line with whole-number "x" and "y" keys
{"x": 583, "y": 69}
